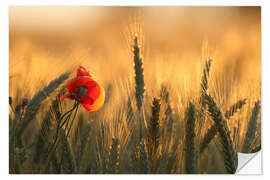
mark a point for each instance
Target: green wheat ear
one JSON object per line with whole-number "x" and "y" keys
{"x": 234, "y": 108}
{"x": 229, "y": 153}
{"x": 139, "y": 77}
{"x": 164, "y": 95}
{"x": 204, "y": 88}
{"x": 37, "y": 100}
{"x": 204, "y": 85}
{"x": 252, "y": 126}
{"x": 212, "y": 131}
{"x": 130, "y": 113}
{"x": 206, "y": 71}
{"x": 154, "y": 133}
{"x": 190, "y": 152}
{"x": 154, "y": 128}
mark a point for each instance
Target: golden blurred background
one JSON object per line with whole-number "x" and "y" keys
{"x": 47, "y": 41}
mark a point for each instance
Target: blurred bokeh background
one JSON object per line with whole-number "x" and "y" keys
{"x": 46, "y": 41}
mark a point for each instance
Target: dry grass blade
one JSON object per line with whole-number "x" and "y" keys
{"x": 190, "y": 152}
{"x": 252, "y": 126}
{"x": 229, "y": 153}
{"x": 39, "y": 97}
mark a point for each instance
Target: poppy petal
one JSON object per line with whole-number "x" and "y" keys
{"x": 93, "y": 90}
{"x": 92, "y": 106}
{"x": 73, "y": 84}
{"x": 63, "y": 97}
{"x": 69, "y": 96}
{"x": 81, "y": 71}
{"x": 86, "y": 102}
{"x": 98, "y": 103}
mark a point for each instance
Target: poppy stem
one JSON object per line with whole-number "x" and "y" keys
{"x": 67, "y": 113}
{"x": 59, "y": 126}
{"x": 77, "y": 107}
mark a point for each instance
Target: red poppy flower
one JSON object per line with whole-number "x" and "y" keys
{"x": 85, "y": 90}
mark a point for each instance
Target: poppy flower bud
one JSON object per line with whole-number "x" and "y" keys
{"x": 10, "y": 100}
{"x": 25, "y": 102}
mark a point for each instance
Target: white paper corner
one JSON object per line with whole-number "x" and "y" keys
{"x": 249, "y": 164}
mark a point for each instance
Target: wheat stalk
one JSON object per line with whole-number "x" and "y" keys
{"x": 168, "y": 112}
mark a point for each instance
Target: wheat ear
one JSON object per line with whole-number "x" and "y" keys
{"x": 252, "y": 126}
{"x": 154, "y": 127}
{"x": 39, "y": 97}
{"x": 204, "y": 88}
{"x": 229, "y": 153}
{"x": 212, "y": 131}
{"x": 139, "y": 77}
{"x": 190, "y": 152}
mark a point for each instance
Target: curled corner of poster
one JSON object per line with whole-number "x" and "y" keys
{"x": 249, "y": 163}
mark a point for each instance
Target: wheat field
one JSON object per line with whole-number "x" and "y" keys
{"x": 182, "y": 91}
